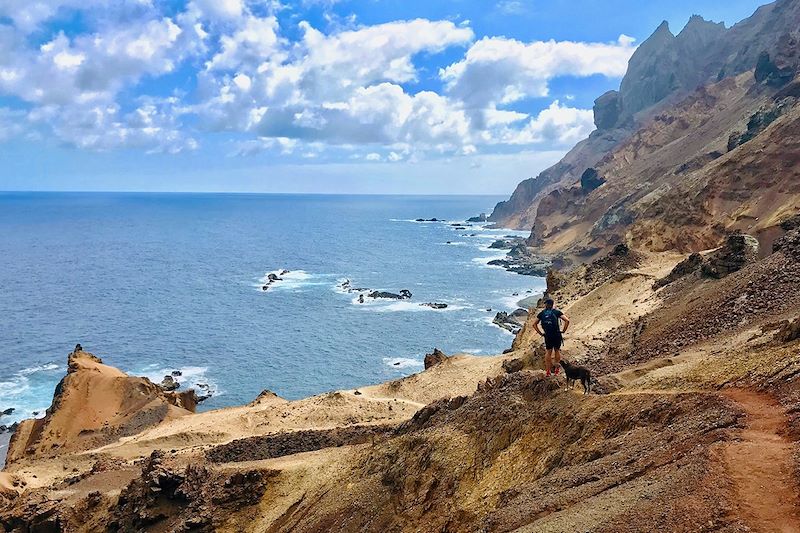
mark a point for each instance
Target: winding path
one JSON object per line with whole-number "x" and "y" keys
{"x": 760, "y": 466}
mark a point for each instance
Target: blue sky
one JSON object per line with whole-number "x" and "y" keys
{"x": 347, "y": 96}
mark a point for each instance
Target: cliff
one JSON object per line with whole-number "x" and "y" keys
{"x": 694, "y": 114}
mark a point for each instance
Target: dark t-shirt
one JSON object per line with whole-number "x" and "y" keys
{"x": 549, "y": 321}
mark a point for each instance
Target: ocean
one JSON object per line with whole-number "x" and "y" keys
{"x": 159, "y": 282}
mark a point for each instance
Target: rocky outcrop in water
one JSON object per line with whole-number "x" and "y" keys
{"x": 404, "y": 294}
{"x": 272, "y": 278}
{"x": 434, "y": 305}
{"x": 169, "y": 383}
{"x": 522, "y": 260}
{"x": 513, "y": 321}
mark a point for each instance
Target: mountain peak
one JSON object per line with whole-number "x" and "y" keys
{"x": 663, "y": 28}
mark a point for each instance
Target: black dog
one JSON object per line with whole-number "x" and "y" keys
{"x": 577, "y": 372}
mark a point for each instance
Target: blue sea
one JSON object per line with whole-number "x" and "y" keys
{"x": 159, "y": 282}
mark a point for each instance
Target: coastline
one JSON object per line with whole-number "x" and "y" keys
{"x": 215, "y": 307}
{"x": 5, "y": 437}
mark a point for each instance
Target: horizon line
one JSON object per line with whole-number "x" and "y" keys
{"x": 55, "y": 191}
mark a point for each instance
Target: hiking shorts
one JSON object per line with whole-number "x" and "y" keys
{"x": 553, "y": 342}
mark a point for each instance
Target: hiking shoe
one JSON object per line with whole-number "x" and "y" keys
{"x": 547, "y": 375}
{"x": 557, "y": 370}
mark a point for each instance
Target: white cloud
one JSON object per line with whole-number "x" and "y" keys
{"x": 151, "y": 127}
{"x": 255, "y": 40}
{"x": 556, "y": 125}
{"x": 226, "y": 9}
{"x": 300, "y": 91}
{"x": 499, "y": 71}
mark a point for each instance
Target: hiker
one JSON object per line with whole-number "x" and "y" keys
{"x": 550, "y": 319}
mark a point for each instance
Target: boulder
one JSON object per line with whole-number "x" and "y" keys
{"x": 513, "y": 365}
{"x": 7, "y": 411}
{"x": 790, "y": 331}
{"x": 480, "y": 218}
{"x": 169, "y": 383}
{"x": 738, "y": 250}
{"x": 177, "y": 373}
{"x": 434, "y": 305}
{"x": 590, "y": 180}
{"x": 434, "y": 358}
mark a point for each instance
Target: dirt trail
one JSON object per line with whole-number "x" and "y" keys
{"x": 760, "y": 465}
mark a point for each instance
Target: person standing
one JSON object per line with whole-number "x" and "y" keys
{"x": 550, "y": 320}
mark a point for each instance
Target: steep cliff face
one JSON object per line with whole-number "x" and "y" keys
{"x": 693, "y": 114}
{"x": 519, "y": 211}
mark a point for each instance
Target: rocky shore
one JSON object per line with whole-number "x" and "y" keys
{"x": 522, "y": 259}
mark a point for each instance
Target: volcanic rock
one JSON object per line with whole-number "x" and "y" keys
{"x": 738, "y": 250}
{"x": 169, "y": 383}
{"x": 434, "y": 358}
{"x": 684, "y": 268}
{"x": 590, "y": 180}
{"x": 512, "y": 322}
{"x": 405, "y": 294}
{"x": 771, "y": 74}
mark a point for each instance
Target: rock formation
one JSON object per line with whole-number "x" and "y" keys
{"x": 590, "y": 180}
{"x": 737, "y": 251}
{"x": 434, "y": 358}
{"x": 93, "y": 404}
{"x": 513, "y": 321}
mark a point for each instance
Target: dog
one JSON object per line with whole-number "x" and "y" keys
{"x": 573, "y": 372}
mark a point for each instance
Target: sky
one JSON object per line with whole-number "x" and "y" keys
{"x": 310, "y": 96}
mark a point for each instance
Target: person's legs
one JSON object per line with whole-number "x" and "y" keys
{"x": 548, "y": 360}
{"x": 557, "y": 360}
